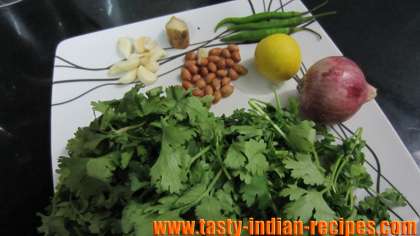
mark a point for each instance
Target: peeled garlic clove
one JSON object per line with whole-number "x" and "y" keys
{"x": 124, "y": 66}
{"x": 134, "y": 56}
{"x": 129, "y": 77}
{"x": 125, "y": 47}
{"x": 146, "y": 76}
{"x": 202, "y": 53}
{"x": 144, "y": 58}
{"x": 150, "y": 45}
{"x": 140, "y": 43}
{"x": 152, "y": 66}
{"x": 157, "y": 53}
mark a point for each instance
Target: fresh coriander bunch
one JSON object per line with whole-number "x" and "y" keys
{"x": 164, "y": 155}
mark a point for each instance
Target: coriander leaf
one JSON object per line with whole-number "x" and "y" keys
{"x": 392, "y": 198}
{"x": 254, "y": 151}
{"x": 136, "y": 222}
{"x": 376, "y": 207}
{"x": 293, "y": 192}
{"x": 125, "y": 159}
{"x": 293, "y": 106}
{"x": 135, "y": 183}
{"x": 304, "y": 168}
{"x": 244, "y": 175}
{"x": 359, "y": 176}
{"x": 234, "y": 158}
{"x": 301, "y": 137}
{"x": 256, "y": 191}
{"x": 166, "y": 173}
{"x": 247, "y": 131}
{"x": 176, "y": 135}
{"x": 53, "y": 225}
{"x": 209, "y": 208}
{"x": 226, "y": 202}
{"x": 102, "y": 168}
{"x": 310, "y": 204}
{"x": 191, "y": 195}
{"x": 85, "y": 143}
{"x": 72, "y": 171}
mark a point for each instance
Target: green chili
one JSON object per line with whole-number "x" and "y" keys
{"x": 290, "y": 22}
{"x": 258, "y": 35}
{"x": 265, "y": 16}
{"x": 257, "y": 17}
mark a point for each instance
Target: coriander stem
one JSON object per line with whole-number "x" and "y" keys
{"x": 253, "y": 103}
{"x": 219, "y": 158}
{"x": 198, "y": 155}
{"x": 127, "y": 128}
{"x": 209, "y": 188}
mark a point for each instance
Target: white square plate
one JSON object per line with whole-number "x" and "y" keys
{"x": 98, "y": 49}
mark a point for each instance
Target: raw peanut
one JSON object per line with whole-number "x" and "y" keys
{"x": 221, "y": 73}
{"x": 204, "y": 72}
{"x": 240, "y": 69}
{"x": 212, "y": 67}
{"x": 233, "y": 48}
{"x": 229, "y": 62}
{"x": 215, "y": 52}
{"x": 198, "y": 92}
{"x": 209, "y": 90}
{"x": 186, "y": 84}
{"x": 214, "y": 59}
{"x": 185, "y": 74}
{"x": 193, "y": 69}
{"x": 233, "y": 74}
{"x": 221, "y": 64}
{"x": 226, "y": 53}
{"x": 200, "y": 84}
{"x": 216, "y": 84}
{"x": 203, "y": 62}
{"x": 195, "y": 78}
{"x": 225, "y": 81}
{"x": 191, "y": 56}
{"x": 190, "y": 63}
{"x": 210, "y": 77}
{"x": 226, "y": 90}
{"x": 217, "y": 95}
{"x": 236, "y": 57}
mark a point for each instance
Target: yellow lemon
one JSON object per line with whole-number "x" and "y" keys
{"x": 277, "y": 57}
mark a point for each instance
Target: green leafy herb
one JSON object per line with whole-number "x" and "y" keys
{"x": 164, "y": 155}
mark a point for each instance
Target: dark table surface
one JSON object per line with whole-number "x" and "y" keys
{"x": 382, "y": 36}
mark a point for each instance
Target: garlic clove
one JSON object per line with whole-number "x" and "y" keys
{"x": 124, "y": 66}
{"x": 157, "y": 53}
{"x": 146, "y": 76}
{"x": 125, "y": 47}
{"x": 152, "y": 66}
{"x": 140, "y": 43}
{"x": 202, "y": 53}
{"x": 128, "y": 77}
{"x": 134, "y": 56}
{"x": 144, "y": 58}
{"x": 150, "y": 45}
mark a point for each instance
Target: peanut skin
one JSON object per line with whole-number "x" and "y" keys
{"x": 185, "y": 74}
{"x": 217, "y": 95}
{"x": 226, "y": 90}
{"x": 186, "y": 84}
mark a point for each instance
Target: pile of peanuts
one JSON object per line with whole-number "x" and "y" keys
{"x": 212, "y": 75}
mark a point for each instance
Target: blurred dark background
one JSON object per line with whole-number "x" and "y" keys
{"x": 382, "y": 36}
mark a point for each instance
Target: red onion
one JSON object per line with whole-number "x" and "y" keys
{"x": 333, "y": 90}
